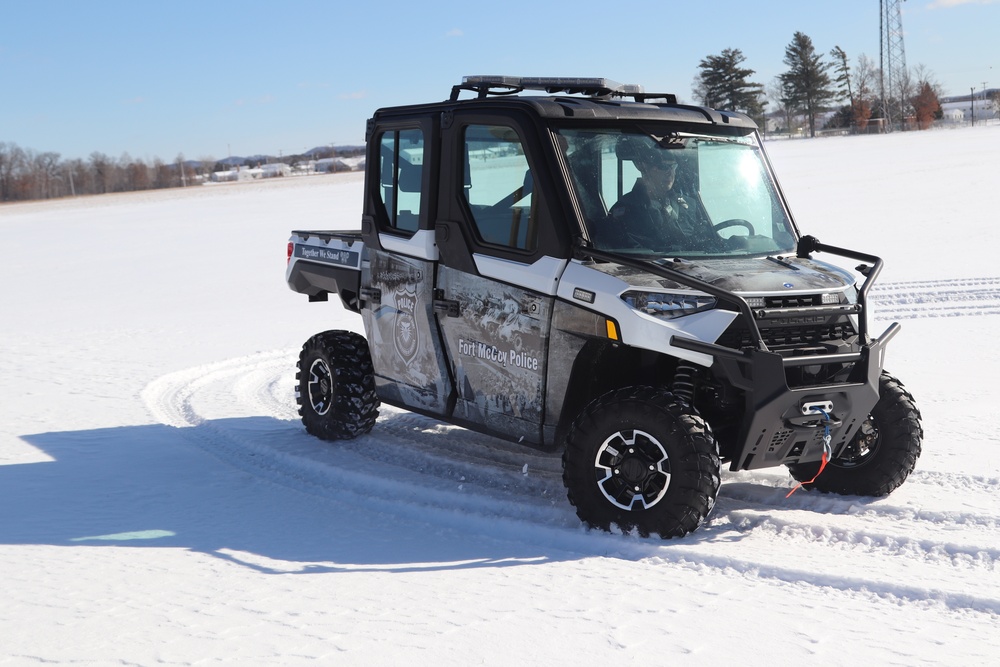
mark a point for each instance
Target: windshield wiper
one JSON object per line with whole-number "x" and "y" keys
{"x": 778, "y": 260}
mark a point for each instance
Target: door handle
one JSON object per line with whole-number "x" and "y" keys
{"x": 448, "y": 307}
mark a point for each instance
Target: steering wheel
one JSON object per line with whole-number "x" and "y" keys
{"x": 734, "y": 222}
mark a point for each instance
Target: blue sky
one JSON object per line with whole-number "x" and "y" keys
{"x": 218, "y": 77}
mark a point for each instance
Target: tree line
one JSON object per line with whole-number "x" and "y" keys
{"x": 26, "y": 174}
{"x": 813, "y": 85}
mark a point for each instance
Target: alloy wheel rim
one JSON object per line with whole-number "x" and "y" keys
{"x": 633, "y": 470}
{"x": 320, "y": 387}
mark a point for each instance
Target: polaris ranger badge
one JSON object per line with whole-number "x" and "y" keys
{"x": 578, "y": 264}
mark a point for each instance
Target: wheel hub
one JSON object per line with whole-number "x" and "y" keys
{"x": 862, "y": 447}
{"x": 632, "y": 469}
{"x": 320, "y": 387}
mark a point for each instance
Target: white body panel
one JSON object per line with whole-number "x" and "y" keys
{"x": 421, "y": 245}
{"x": 542, "y": 276}
{"x": 639, "y": 329}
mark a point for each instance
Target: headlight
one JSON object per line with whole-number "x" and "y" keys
{"x": 668, "y": 305}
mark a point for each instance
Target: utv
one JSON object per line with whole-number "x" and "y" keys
{"x": 578, "y": 264}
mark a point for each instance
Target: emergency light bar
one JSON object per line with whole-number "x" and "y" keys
{"x": 593, "y": 86}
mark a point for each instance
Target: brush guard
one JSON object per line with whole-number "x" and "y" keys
{"x": 777, "y": 427}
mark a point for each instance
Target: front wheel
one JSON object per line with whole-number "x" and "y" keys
{"x": 336, "y": 386}
{"x": 637, "y": 458}
{"x": 881, "y": 455}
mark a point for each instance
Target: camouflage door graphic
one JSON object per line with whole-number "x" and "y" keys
{"x": 497, "y": 349}
{"x": 403, "y": 333}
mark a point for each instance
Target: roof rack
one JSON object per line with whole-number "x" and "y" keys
{"x": 592, "y": 86}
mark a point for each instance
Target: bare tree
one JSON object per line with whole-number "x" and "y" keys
{"x": 163, "y": 175}
{"x": 866, "y": 77}
{"x": 907, "y": 90}
{"x": 206, "y": 166}
{"x": 44, "y": 170}
{"x": 136, "y": 173}
{"x": 99, "y": 173}
{"x": 776, "y": 96}
{"x": 923, "y": 74}
{"x": 11, "y": 165}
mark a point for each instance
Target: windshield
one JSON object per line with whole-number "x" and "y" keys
{"x": 677, "y": 195}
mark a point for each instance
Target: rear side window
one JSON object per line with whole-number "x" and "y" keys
{"x": 401, "y": 169}
{"x": 499, "y": 186}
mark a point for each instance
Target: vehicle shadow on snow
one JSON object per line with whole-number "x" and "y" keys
{"x": 156, "y": 486}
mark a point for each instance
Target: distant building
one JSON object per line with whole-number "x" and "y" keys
{"x": 275, "y": 169}
{"x": 271, "y": 170}
{"x": 237, "y": 173}
{"x": 330, "y": 164}
{"x": 962, "y": 108}
{"x": 952, "y": 114}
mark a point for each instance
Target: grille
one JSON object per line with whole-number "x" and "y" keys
{"x": 789, "y": 333}
{"x": 798, "y": 301}
{"x": 810, "y": 335}
{"x": 794, "y": 336}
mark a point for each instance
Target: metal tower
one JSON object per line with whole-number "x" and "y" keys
{"x": 892, "y": 61}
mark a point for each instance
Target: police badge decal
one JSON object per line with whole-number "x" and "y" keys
{"x": 405, "y": 327}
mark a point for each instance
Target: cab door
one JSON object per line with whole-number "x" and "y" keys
{"x": 398, "y": 279}
{"x": 496, "y": 282}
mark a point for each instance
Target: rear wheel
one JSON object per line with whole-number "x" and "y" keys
{"x": 336, "y": 386}
{"x": 881, "y": 455}
{"x": 638, "y": 459}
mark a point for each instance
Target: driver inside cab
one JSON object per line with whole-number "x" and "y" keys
{"x": 651, "y": 211}
{"x": 656, "y": 215}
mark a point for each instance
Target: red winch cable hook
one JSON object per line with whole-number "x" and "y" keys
{"x": 827, "y": 452}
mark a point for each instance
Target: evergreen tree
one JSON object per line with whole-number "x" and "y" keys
{"x": 843, "y": 74}
{"x": 806, "y": 84}
{"x": 723, "y": 84}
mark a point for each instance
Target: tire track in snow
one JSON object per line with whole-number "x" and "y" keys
{"x": 936, "y": 298}
{"x": 877, "y": 542}
{"x": 420, "y": 469}
{"x": 408, "y": 459}
{"x": 762, "y": 495}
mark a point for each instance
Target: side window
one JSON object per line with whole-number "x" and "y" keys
{"x": 401, "y": 166}
{"x": 499, "y": 186}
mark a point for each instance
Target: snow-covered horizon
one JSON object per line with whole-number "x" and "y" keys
{"x": 161, "y": 504}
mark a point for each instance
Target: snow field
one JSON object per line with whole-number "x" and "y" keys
{"x": 161, "y": 504}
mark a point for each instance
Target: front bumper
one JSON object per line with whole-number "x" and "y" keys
{"x": 776, "y": 429}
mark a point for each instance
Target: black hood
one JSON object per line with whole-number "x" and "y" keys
{"x": 756, "y": 275}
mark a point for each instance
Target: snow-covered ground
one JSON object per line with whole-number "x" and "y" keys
{"x": 160, "y": 503}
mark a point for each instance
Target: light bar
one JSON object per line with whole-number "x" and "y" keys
{"x": 554, "y": 83}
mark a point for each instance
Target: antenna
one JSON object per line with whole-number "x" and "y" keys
{"x": 892, "y": 60}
